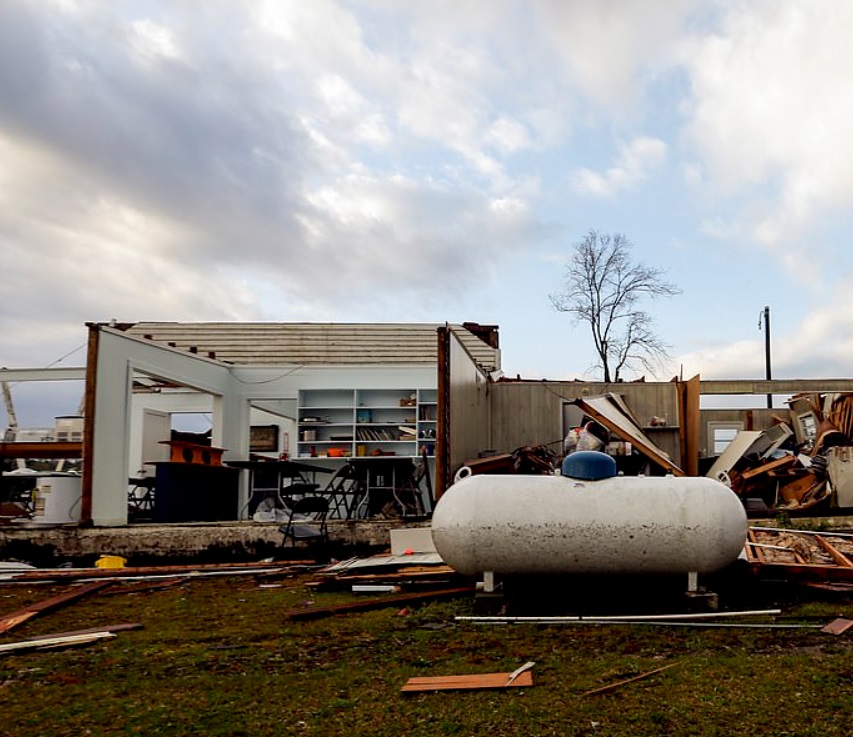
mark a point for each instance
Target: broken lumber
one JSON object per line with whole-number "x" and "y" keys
{"x": 12, "y": 620}
{"x": 838, "y": 626}
{"x": 834, "y": 553}
{"x": 612, "y": 686}
{"x": 123, "y": 627}
{"x": 363, "y": 606}
{"x": 51, "y": 643}
{"x": 70, "y": 574}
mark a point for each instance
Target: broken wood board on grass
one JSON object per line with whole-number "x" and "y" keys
{"x": 202, "y": 569}
{"x": 838, "y": 626}
{"x": 467, "y": 683}
{"x": 363, "y": 606}
{"x": 13, "y": 619}
{"x": 53, "y": 643}
{"x": 618, "y": 684}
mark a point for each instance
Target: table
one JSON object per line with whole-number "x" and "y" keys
{"x": 267, "y": 477}
{"x": 390, "y": 487}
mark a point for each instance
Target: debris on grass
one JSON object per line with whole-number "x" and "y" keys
{"x": 379, "y": 603}
{"x": 519, "y": 678}
{"x": 13, "y": 619}
{"x": 420, "y": 570}
{"x": 61, "y": 575}
{"x": 53, "y": 643}
{"x": 838, "y": 626}
{"x": 618, "y": 684}
{"x": 800, "y": 555}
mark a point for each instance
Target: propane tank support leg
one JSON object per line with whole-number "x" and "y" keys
{"x": 692, "y": 582}
{"x": 489, "y": 582}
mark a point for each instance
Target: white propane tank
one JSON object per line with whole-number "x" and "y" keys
{"x": 518, "y": 524}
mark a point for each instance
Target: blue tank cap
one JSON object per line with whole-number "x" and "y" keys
{"x": 591, "y": 465}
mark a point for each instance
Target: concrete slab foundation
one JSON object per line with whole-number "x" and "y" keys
{"x": 144, "y": 544}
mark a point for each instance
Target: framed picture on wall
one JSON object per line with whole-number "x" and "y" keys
{"x": 263, "y": 439}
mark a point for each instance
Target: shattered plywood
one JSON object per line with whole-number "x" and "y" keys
{"x": 611, "y": 411}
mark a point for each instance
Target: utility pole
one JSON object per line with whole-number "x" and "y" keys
{"x": 768, "y": 373}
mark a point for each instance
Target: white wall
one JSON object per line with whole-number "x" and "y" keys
{"x": 226, "y": 392}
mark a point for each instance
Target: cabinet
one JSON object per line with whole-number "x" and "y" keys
{"x": 338, "y": 423}
{"x": 193, "y": 492}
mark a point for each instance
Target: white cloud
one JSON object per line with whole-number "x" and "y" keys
{"x": 152, "y": 40}
{"x": 633, "y": 165}
{"x": 770, "y": 109}
{"x": 508, "y": 136}
{"x": 222, "y": 163}
{"x": 607, "y": 46}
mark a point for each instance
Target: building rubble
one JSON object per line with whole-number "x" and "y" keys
{"x": 804, "y": 462}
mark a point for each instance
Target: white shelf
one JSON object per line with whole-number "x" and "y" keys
{"x": 359, "y": 413}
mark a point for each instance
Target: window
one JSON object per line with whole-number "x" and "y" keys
{"x": 721, "y": 434}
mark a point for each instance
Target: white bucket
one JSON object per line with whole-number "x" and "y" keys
{"x": 58, "y": 499}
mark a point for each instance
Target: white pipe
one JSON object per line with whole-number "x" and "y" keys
{"x": 742, "y": 625}
{"x": 825, "y": 533}
{"x": 627, "y": 618}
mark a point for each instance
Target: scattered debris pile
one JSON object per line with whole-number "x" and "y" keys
{"x": 800, "y": 555}
{"x": 409, "y": 571}
{"x": 803, "y": 461}
{"x": 531, "y": 460}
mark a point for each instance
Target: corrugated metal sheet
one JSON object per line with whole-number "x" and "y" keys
{"x": 254, "y": 343}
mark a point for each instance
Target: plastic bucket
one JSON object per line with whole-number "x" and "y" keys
{"x": 58, "y": 499}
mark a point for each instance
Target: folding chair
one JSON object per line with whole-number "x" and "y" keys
{"x": 344, "y": 491}
{"x": 141, "y": 497}
{"x": 307, "y": 521}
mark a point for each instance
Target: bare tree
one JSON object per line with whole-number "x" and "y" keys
{"x": 603, "y": 289}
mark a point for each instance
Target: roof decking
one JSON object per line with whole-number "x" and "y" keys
{"x": 254, "y": 343}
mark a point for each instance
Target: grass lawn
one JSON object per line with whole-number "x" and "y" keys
{"x": 217, "y": 656}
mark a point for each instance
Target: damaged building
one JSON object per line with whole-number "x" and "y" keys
{"x": 333, "y": 396}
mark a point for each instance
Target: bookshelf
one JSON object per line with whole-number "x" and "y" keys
{"x": 344, "y": 423}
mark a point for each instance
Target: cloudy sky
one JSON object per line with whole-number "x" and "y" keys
{"x": 379, "y": 160}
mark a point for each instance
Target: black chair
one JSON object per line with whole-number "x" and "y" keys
{"x": 344, "y": 491}
{"x": 141, "y": 497}
{"x": 408, "y": 494}
{"x": 307, "y": 521}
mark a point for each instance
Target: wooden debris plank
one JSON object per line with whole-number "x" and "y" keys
{"x": 839, "y": 587}
{"x": 805, "y": 571}
{"x": 74, "y": 573}
{"x": 13, "y": 619}
{"x": 54, "y": 642}
{"x": 139, "y": 587}
{"x": 379, "y": 603}
{"x": 753, "y": 551}
{"x": 772, "y": 465}
{"x": 796, "y": 489}
{"x": 123, "y": 627}
{"x": 838, "y": 626}
{"x": 834, "y": 552}
{"x": 467, "y": 682}
{"x": 612, "y": 686}
{"x": 443, "y": 573}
